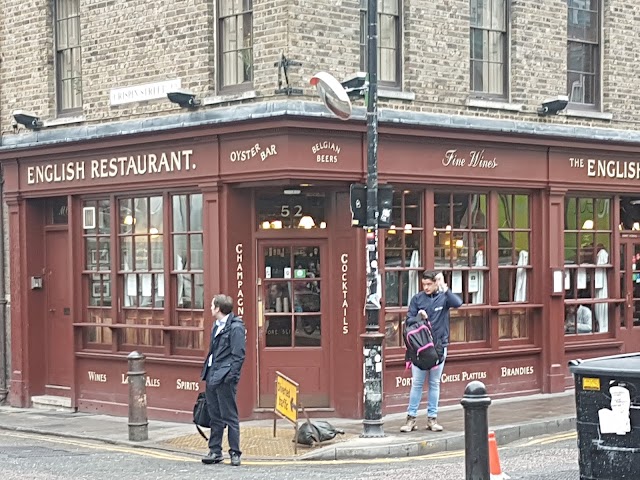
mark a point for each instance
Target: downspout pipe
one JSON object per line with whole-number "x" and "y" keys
{"x": 4, "y": 362}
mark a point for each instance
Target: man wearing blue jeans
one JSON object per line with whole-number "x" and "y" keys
{"x": 433, "y": 303}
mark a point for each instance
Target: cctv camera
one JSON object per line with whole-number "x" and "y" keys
{"x": 28, "y": 119}
{"x": 553, "y": 105}
{"x": 184, "y": 98}
{"x": 355, "y": 85}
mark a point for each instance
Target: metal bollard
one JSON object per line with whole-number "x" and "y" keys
{"x": 138, "y": 421}
{"x": 475, "y": 402}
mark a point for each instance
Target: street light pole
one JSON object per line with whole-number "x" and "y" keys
{"x": 372, "y": 425}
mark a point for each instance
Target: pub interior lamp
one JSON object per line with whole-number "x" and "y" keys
{"x": 28, "y": 119}
{"x": 587, "y": 225}
{"x": 306, "y": 222}
{"x": 184, "y": 98}
{"x": 266, "y": 225}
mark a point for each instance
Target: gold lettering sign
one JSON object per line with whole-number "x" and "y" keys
{"x": 475, "y": 159}
{"x": 97, "y": 377}
{"x": 125, "y": 166}
{"x": 250, "y": 153}
{"x": 326, "y": 152}
{"x": 344, "y": 260}
{"x": 603, "y": 168}
{"x": 240, "y": 280}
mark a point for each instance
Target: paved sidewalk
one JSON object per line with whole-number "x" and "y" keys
{"x": 511, "y": 419}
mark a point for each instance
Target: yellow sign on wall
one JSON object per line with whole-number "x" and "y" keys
{"x": 286, "y": 397}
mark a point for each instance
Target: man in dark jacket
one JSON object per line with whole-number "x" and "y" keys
{"x": 433, "y": 303}
{"x": 221, "y": 371}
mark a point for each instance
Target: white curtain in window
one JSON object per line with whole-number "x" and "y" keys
{"x": 601, "y": 287}
{"x": 413, "y": 274}
{"x": 520, "y": 293}
{"x": 478, "y": 296}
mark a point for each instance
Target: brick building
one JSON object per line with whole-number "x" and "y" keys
{"x": 127, "y": 212}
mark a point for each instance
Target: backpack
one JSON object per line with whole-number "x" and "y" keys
{"x": 422, "y": 350}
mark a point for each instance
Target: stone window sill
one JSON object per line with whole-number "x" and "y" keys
{"x": 396, "y": 94}
{"x": 494, "y": 105}
{"x": 588, "y": 114}
{"x": 233, "y": 97}
{"x": 56, "y": 122}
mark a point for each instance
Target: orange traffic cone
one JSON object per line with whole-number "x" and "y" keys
{"x": 494, "y": 460}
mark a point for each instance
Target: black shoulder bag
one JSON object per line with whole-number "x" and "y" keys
{"x": 201, "y": 414}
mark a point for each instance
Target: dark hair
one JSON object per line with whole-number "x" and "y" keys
{"x": 429, "y": 275}
{"x": 224, "y": 303}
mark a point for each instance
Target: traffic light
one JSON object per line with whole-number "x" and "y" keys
{"x": 358, "y": 200}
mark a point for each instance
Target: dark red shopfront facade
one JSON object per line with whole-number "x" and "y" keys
{"x": 132, "y": 236}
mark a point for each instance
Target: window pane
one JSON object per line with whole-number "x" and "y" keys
{"x": 307, "y": 331}
{"x": 157, "y": 252}
{"x": 196, "y": 212}
{"x": 278, "y": 331}
{"x": 126, "y": 253}
{"x": 142, "y": 253}
{"x": 180, "y": 213}
{"x": 197, "y": 262}
{"x": 180, "y": 252}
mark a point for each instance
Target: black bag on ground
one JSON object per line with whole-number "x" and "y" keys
{"x": 201, "y": 414}
{"x": 316, "y": 432}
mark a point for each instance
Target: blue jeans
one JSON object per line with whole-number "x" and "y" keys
{"x": 417, "y": 382}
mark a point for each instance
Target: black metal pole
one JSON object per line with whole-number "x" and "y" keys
{"x": 476, "y": 431}
{"x": 372, "y": 425}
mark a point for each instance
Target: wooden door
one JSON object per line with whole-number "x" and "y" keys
{"x": 293, "y": 328}
{"x": 630, "y": 291}
{"x": 58, "y": 329}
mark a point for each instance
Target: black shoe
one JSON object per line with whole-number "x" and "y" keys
{"x": 235, "y": 459}
{"x": 212, "y": 457}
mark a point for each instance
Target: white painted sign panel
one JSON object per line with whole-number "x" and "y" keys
{"x": 145, "y": 91}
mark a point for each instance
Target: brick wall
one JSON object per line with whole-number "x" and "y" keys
{"x": 135, "y": 41}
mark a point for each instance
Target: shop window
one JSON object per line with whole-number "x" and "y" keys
{"x": 187, "y": 270}
{"x": 142, "y": 268}
{"x": 97, "y": 271}
{"x": 460, "y": 241}
{"x": 514, "y": 241}
{"x": 587, "y": 244}
{"x": 278, "y": 211}
{"x": 402, "y": 261}
{"x": 292, "y": 296}
{"x": 126, "y": 271}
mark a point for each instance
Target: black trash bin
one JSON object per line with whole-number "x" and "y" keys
{"x": 607, "y": 456}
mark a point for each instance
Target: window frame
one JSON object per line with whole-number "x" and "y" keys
{"x": 59, "y": 93}
{"x": 597, "y": 60}
{"x": 394, "y": 315}
{"x": 397, "y": 84}
{"x": 220, "y": 62}
{"x": 116, "y": 328}
{"x": 582, "y": 231}
{"x": 506, "y": 64}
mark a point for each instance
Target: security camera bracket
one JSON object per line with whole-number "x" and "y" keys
{"x": 283, "y": 71}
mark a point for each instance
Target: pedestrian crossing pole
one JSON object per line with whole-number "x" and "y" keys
{"x": 372, "y": 338}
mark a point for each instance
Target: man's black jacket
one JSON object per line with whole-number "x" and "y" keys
{"x": 228, "y": 350}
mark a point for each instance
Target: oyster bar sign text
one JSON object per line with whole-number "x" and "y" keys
{"x": 125, "y": 166}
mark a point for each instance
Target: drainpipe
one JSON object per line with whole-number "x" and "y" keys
{"x": 4, "y": 363}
